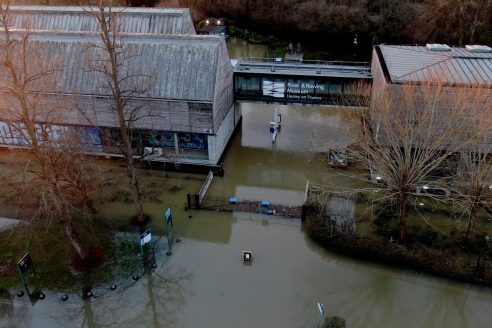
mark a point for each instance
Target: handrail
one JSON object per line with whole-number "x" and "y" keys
{"x": 280, "y": 60}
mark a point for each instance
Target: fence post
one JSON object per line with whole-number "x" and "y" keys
{"x": 197, "y": 201}
{"x": 188, "y": 200}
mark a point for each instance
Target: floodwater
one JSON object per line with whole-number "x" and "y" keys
{"x": 204, "y": 283}
{"x": 239, "y": 48}
{"x": 257, "y": 168}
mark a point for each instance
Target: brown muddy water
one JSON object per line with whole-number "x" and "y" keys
{"x": 204, "y": 283}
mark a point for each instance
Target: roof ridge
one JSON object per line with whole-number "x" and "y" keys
{"x": 448, "y": 57}
{"x": 133, "y": 35}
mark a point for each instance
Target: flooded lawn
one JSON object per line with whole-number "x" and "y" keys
{"x": 205, "y": 284}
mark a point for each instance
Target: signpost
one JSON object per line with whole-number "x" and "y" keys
{"x": 145, "y": 238}
{"x": 23, "y": 266}
{"x": 169, "y": 230}
{"x": 321, "y": 312}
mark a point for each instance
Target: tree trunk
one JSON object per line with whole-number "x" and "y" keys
{"x": 403, "y": 216}
{"x": 65, "y": 221}
{"x": 131, "y": 173}
{"x": 135, "y": 189}
{"x": 471, "y": 219}
{"x": 74, "y": 242}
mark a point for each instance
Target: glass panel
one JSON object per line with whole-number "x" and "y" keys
{"x": 247, "y": 84}
{"x": 19, "y": 134}
{"x": 5, "y": 135}
{"x": 335, "y": 87}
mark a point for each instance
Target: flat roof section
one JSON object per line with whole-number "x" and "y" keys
{"x": 340, "y": 69}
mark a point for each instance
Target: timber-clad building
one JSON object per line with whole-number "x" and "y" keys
{"x": 182, "y": 82}
{"x": 131, "y": 20}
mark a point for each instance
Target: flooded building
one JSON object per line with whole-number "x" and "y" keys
{"x": 181, "y": 83}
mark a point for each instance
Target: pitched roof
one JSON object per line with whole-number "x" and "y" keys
{"x": 418, "y": 63}
{"x": 183, "y": 67}
{"x": 75, "y": 18}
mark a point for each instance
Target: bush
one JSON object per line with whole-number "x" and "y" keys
{"x": 334, "y": 322}
{"x": 418, "y": 257}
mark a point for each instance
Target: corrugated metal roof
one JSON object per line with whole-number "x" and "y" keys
{"x": 183, "y": 67}
{"x": 417, "y": 63}
{"x": 130, "y": 20}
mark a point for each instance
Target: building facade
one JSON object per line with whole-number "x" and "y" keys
{"x": 181, "y": 83}
{"x": 395, "y": 67}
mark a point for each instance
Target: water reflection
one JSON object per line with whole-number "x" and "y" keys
{"x": 239, "y": 48}
{"x": 256, "y": 168}
{"x": 153, "y": 301}
{"x": 303, "y": 128}
{"x": 205, "y": 284}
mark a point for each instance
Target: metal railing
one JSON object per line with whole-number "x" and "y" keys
{"x": 280, "y": 60}
{"x": 362, "y": 69}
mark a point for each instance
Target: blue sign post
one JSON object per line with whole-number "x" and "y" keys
{"x": 168, "y": 218}
{"x": 145, "y": 238}
{"x": 23, "y": 265}
{"x": 321, "y": 312}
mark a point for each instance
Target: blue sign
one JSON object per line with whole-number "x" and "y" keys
{"x": 169, "y": 216}
{"x": 145, "y": 237}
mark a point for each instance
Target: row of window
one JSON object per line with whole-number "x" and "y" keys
{"x": 294, "y": 90}
{"x": 101, "y": 139}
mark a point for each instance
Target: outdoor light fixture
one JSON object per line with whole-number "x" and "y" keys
{"x": 421, "y": 204}
{"x": 219, "y": 22}
{"x": 425, "y": 187}
{"x": 207, "y": 22}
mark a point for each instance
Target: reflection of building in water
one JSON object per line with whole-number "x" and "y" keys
{"x": 186, "y": 112}
{"x": 304, "y": 128}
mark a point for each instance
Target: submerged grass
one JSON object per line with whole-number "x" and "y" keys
{"x": 54, "y": 259}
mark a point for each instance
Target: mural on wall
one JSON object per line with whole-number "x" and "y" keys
{"x": 151, "y": 144}
{"x": 162, "y": 144}
{"x": 16, "y": 134}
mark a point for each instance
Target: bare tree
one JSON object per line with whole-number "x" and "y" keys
{"x": 408, "y": 136}
{"x": 473, "y": 177}
{"x": 111, "y": 59}
{"x": 55, "y": 171}
{"x": 454, "y": 21}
